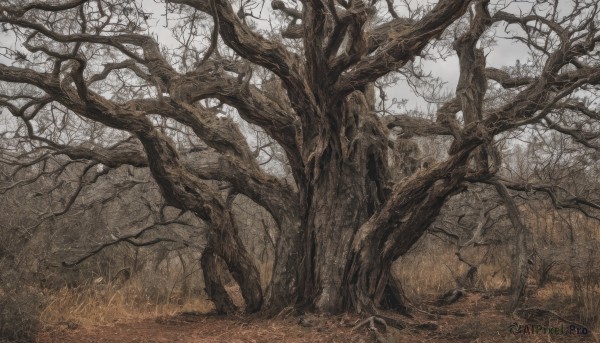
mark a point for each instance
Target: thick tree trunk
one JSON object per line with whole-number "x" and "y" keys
{"x": 352, "y": 266}
{"x": 374, "y": 251}
{"x": 337, "y": 209}
{"x": 354, "y": 227}
{"x": 286, "y": 275}
{"x": 394, "y": 298}
{"x": 241, "y": 266}
{"x": 348, "y": 182}
{"x": 396, "y": 228}
{"x": 213, "y": 271}
{"x": 186, "y": 191}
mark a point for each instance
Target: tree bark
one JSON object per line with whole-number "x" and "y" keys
{"x": 337, "y": 210}
{"x": 287, "y": 272}
{"x": 212, "y": 269}
{"x": 348, "y": 179}
{"x": 520, "y": 271}
{"x": 241, "y": 266}
{"x": 405, "y": 216}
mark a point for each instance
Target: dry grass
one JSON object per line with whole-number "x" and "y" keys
{"x": 149, "y": 295}
{"x": 101, "y": 304}
{"x": 587, "y": 298}
{"x": 424, "y": 275}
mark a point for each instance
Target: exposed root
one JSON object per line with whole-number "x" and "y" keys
{"x": 450, "y": 297}
{"x": 371, "y": 321}
{"x": 286, "y": 312}
{"x": 391, "y": 328}
{"x": 382, "y": 338}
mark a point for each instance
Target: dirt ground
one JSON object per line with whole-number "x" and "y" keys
{"x": 475, "y": 318}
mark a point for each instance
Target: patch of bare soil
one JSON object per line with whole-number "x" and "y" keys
{"x": 476, "y": 318}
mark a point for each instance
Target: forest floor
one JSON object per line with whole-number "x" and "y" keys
{"x": 475, "y": 318}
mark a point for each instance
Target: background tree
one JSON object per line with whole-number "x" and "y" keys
{"x": 357, "y": 196}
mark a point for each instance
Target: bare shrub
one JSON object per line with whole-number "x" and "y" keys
{"x": 19, "y": 314}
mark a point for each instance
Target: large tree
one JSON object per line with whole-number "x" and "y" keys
{"x": 353, "y": 203}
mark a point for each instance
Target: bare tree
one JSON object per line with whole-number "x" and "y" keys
{"x": 347, "y": 215}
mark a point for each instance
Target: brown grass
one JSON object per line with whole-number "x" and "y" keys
{"x": 101, "y": 304}
{"x": 426, "y": 275}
